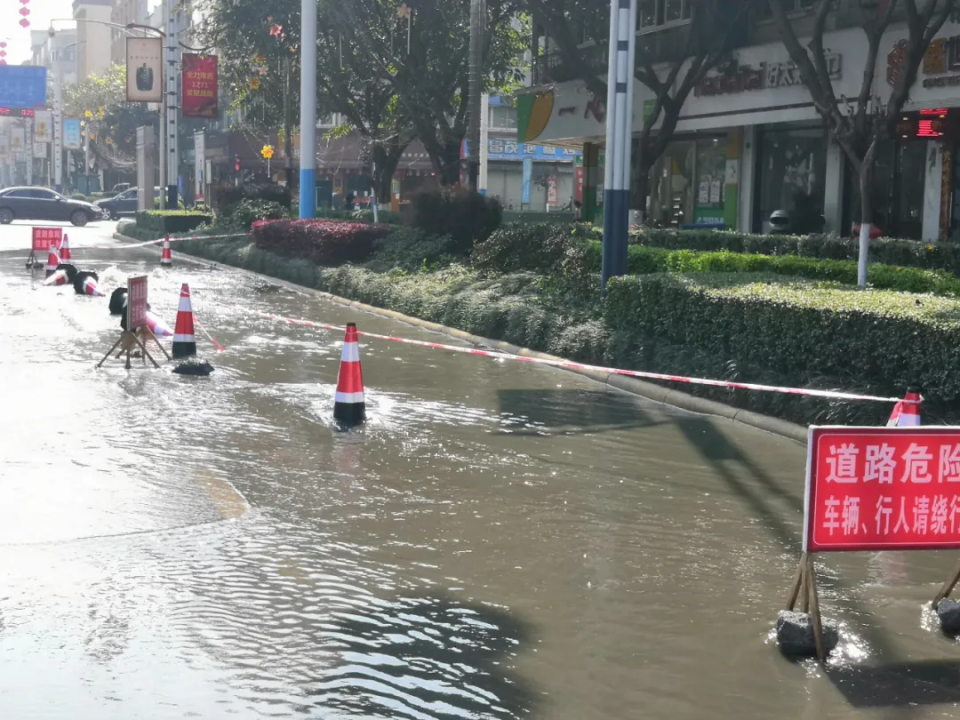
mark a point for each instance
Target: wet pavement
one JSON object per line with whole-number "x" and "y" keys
{"x": 500, "y": 540}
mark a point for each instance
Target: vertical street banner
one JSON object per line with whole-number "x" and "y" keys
{"x": 199, "y": 86}
{"x": 145, "y": 69}
{"x": 40, "y": 150}
{"x": 136, "y": 302}
{"x": 527, "y": 180}
{"x": 43, "y": 126}
{"x": 882, "y": 489}
{"x": 18, "y": 141}
{"x": 199, "y": 164}
{"x": 71, "y": 134}
{"x": 553, "y": 192}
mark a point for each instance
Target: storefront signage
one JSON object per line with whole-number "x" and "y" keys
{"x": 943, "y": 56}
{"x": 929, "y": 123}
{"x": 500, "y": 149}
{"x": 767, "y": 76}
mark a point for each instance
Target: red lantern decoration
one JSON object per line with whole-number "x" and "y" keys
{"x": 3, "y": 45}
{"x": 3, "y": 62}
{"x": 25, "y": 23}
{"x": 24, "y": 11}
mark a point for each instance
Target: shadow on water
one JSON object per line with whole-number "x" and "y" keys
{"x": 899, "y": 685}
{"x": 533, "y": 412}
{"x": 425, "y": 657}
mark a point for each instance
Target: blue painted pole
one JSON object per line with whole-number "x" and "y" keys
{"x": 616, "y": 191}
{"x": 308, "y": 108}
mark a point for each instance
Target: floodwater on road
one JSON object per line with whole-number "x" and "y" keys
{"x": 499, "y": 541}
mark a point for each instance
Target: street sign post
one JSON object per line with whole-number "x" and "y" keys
{"x": 41, "y": 241}
{"x": 136, "y": 302}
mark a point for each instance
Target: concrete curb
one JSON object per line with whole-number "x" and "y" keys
{"x": 634, "y": 386}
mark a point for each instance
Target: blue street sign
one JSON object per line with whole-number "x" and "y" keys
{"x": 23, "y": 86}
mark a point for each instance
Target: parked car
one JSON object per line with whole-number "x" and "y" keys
{"x": 123, "y": 204}
{"x": 35, "y": 203}
{"x": 119, "y": 188}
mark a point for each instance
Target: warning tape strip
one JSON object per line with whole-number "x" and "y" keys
{"x": 132, "y": 246}
{"x": 831, "y": 394}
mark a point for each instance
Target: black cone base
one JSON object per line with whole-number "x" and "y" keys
{"x": 118, "y": 301}
{"x": 202, "y": 369}
{"x": 80, "y": 278}
{"x": 350, "y": 414}
{"x": 69, "y": 269}
{"x": 183, "y": 350}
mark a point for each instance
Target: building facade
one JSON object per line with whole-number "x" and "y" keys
{"x": 125, "y": 12}
{"x": 749, "y": 140}
{"x": 94, "y": 39}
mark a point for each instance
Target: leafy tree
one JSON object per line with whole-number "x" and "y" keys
{"x": 577, "y": 27}
{"x": 100, "y": 102}
{"x": 859, "y": 124}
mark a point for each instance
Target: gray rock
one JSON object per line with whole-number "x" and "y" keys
{"x": 949, "y": 612}
{"x": 795, "y": 634}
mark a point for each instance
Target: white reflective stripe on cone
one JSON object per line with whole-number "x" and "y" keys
{"x": 351, "y": 352}
{"x": 184, "y": 305}
{"x": 184, "y": 338}
{"x": 908, "y": 420}
{"x": 349, "y": 398}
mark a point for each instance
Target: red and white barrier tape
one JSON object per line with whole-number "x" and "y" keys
{"x": 831, "y": 394}
{"x": 132, "y": 246}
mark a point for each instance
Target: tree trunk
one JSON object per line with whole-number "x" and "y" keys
{"x": 866, "y": 210}
{"x": 447, "y": 164}
{"x": 385, "y": 161}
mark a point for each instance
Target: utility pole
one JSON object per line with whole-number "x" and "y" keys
{"x": 57, "y": 114}
{"x": 308, "y": 108}
{"x": 484, "y": 143}
{"x": 287, "y": 125}
{"x": 616, "y": 201}
{"x": 477, "y": 8}
{"x": 171, "y": 90}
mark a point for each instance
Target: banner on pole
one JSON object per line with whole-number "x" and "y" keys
{"x": 199, "y": 86}
{"x": 43, "y": 126}
{"x": 43, "y": 237}
{"x": 882, "y": 489}
{"x": 71, "y": 133}
{"x": 40, "y": 150}
{"x": 18, "y": 141}
{"x": 136, "y": 302}
{"x": 144, "y": 69}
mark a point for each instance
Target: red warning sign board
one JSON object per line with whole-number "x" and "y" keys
{"x": 882, "y": 489}
{"x": 42, "y": 237}
{"x": 136, "y": 302}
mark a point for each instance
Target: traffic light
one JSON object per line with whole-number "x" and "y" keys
{"x": 237, "y": 164}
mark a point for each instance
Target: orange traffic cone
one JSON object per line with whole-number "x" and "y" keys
{"x": 53, "y": 259}
{"x": 349, "y": 407}
{"x": 184, "y": 341}
{"x": 906, "y": 413}
{"x": 85, "y": 283}
{"x": 59, "y": 277}
{"x": 157, "y": 326}
{"x": 65, "y": 249}
{"x": 165, "y": 258}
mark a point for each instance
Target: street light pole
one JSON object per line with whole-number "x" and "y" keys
{"x": 308, "y": 108}
{"x": 57, "y": 117}
{"x": 616, "y": 204}
{"x": 170, "y": 103}
{"x": 476, "y": 67}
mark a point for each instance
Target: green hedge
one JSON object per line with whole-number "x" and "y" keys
{"x": 889, "y": 251}
{"x": 171, "y": 221}
{"x": 884, "y": 341}
{"x": 644, "y": 260}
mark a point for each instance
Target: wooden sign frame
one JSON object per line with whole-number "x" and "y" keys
{"x": 135, "y": 337}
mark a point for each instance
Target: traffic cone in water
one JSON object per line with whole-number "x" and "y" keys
{"x": 184, "y": 341}
{"x": 65, "y": 249}
{"x": 165, "y": 258}
{"x": 85, "y": 283}
{"x": 53, "y": 259}
{"x": 349, "y": 407}
{"x": 157, "y": 326}
{"x": 64, "y": 274}
{"x": 906, "y": 413}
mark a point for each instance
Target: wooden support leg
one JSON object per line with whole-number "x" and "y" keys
{"x": 797, "y": 583}
{"x": 948, "y": 586}
{"x": 110, "y": 351}
{"x": 815, "y": 609}
{"x": 146, "y": 354}
{"x": 150, "y": 335}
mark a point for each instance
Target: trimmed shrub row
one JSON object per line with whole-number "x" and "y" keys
{"x": 466, "y": 217}
{"x": 888, "y": 251}
{"x": 323, "y": 242}
{"x": 171, "y": 221}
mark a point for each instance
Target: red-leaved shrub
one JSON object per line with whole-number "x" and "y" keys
{"x": 324, "y": 242}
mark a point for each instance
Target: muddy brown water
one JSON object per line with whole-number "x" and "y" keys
{"x": 500, "y": 540}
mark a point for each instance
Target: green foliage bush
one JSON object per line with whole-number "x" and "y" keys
{"x": 387, "y": 217}
{"x": 322, "y": 242}
{"x": 171, "y": 221}
{"x": 467, "y": 217}
{"x": 79, "y": 196}
{"x": 888, "y": 251}
{"x": 412, "y": 250}
{"x": 229, "y": 196}
{"x": 544, "y": 247}
{"x": 246, "y": 212}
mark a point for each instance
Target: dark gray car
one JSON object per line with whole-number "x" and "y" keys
{"x": 35, "y": 203}
{"x": 123, "y": 204}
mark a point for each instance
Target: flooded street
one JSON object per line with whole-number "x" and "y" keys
{"x": 499, "y": 541}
